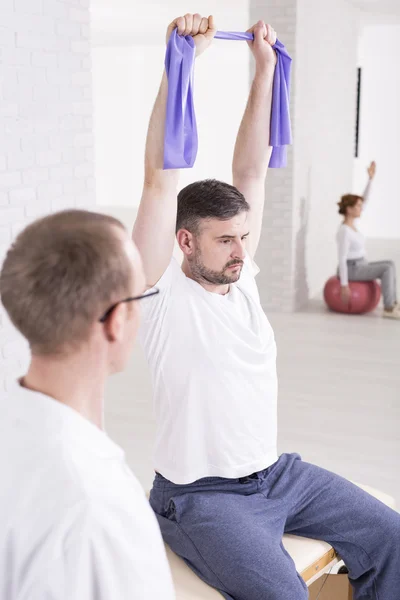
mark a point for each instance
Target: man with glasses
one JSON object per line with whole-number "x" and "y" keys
{"x": 74, "y": 521}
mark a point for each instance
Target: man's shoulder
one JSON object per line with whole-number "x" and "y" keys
{"x": 173, "y": 274}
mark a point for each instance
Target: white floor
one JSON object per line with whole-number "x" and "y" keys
{"x": 339, "y": 394}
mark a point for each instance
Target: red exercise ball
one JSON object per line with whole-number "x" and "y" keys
{"x": 365, "y": 296}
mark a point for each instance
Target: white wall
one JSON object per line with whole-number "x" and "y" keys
{"x": 379, "y": 50}
{"x": 274, "y": 255}
{"x": 324, "y": 125}
{"x": 130, "y": 22}
{"x": 126, "y": 80}
{"x": 46, "y": 145}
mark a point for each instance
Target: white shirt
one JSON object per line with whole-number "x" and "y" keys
{"x": 74, "y": 521}
{"x": 213, "y": 365}
{"x": 351, "y": 246}
{"x": 351, "y": 243}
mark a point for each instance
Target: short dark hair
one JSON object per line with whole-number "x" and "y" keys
{"x": 208, "y": 199}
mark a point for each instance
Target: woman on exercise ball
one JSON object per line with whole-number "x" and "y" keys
{"x": 353, "y": 265}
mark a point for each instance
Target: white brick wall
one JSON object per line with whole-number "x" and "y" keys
{"x": 46, "y": 143}
{"x": 379, "y": 130}
{"x": 274, "y": 255}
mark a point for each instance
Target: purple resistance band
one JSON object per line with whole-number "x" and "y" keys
{"x": 181, "y": 141}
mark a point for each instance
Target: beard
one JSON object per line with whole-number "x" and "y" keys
{"x": 202, "y": 273}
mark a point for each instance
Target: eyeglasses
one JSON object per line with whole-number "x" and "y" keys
{"x": 108, "y": 312}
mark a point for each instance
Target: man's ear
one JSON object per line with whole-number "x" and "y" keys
{"x": 115, "y": 324}
{"x": 185, "y": 240}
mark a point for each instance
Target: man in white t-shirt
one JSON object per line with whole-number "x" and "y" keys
{"x": 222, "y": 496}
{"x": 74, "y": 521}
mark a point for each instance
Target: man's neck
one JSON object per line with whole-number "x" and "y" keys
{"x": 76, "y": 383}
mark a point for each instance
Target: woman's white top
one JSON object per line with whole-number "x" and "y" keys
{"x": 351, "y": 244}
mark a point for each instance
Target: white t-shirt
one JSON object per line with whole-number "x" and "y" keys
{"x": 351, "y": 243}
{"x": 213, "y": 365}
{"x": 351, "y": 246}
{"x": 74, "y": 521}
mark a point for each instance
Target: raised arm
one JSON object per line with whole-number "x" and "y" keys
{"x": 154, "y": 229}
{"x": 252, "y": 149}
{"x": 371, "y": 174}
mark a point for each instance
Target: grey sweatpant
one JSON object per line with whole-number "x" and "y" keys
{"x": 385, "y": 270}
